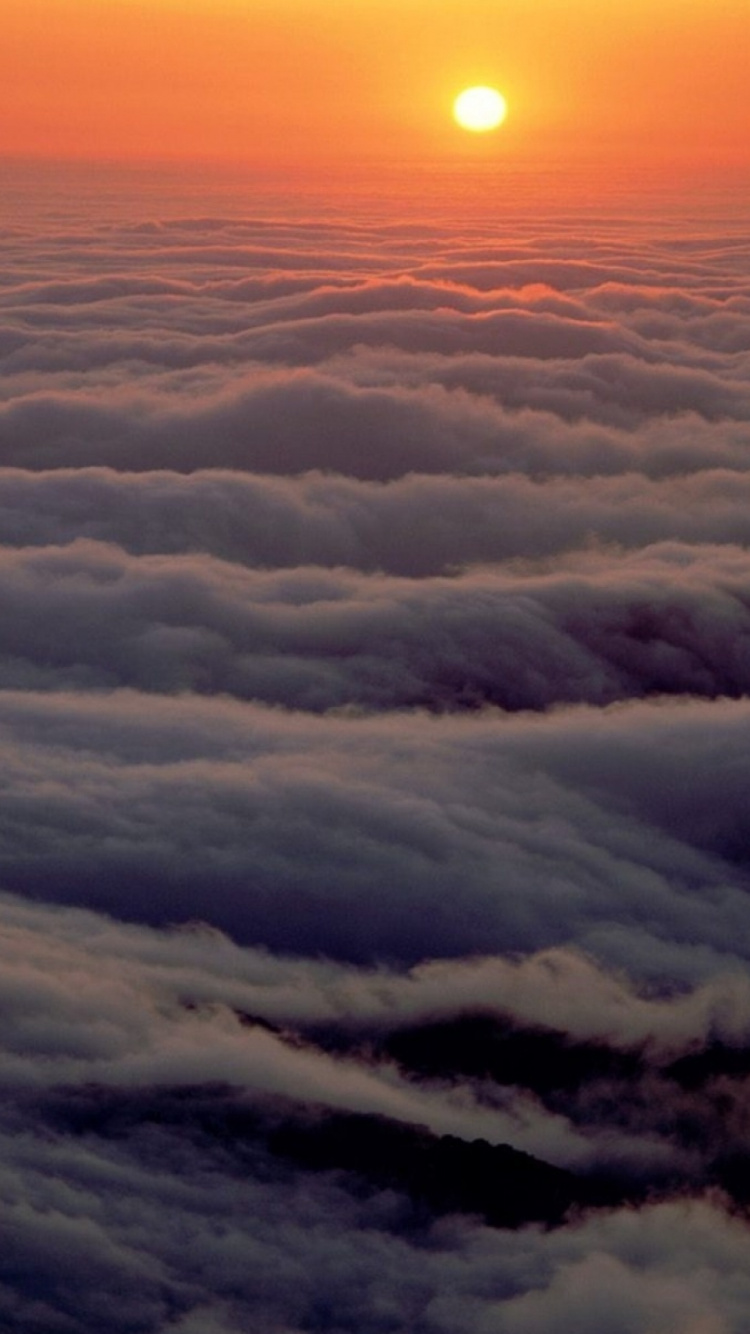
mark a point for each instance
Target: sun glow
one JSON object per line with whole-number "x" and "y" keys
{"x": 480, "y": 109}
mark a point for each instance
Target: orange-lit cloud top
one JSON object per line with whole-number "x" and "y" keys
{"x": 327, "y": 81}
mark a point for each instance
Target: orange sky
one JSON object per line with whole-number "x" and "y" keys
{"x": 341, "y": 81}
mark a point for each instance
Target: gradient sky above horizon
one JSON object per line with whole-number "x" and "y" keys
{"x": 626, "y": 83}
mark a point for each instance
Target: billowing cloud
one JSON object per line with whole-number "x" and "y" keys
{"x": 415, "y": 525}
{"x": 669, "y": 619}
{"x": 123, "y": 1171}
{"x": 395, "y": 837}
{"x": 374, "y": 676}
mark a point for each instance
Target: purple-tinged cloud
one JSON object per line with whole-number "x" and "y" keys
{"x": 374, "y": 678}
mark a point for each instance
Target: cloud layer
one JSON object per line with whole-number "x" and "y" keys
{"x": 374, "y": 675}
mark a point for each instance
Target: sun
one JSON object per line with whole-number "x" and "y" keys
{"x": 480, "y": 109}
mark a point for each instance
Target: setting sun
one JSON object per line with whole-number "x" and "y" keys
{"x": 480, "y": 109}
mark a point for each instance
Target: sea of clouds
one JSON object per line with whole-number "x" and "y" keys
{"x": 374, "y": 819}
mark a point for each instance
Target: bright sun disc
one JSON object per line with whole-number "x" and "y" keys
{"x": 480, "y": 109}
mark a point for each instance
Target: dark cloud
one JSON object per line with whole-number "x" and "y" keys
{"x": 374, "y": 686}
{"x": 401, "y": 837}
{"x": 289, "y": 421}
{"x": 670, "y": 619}
{"x": 181, "y": 1205}
{"x": 417, "y": 525}
{"x": 166, "y": 1238}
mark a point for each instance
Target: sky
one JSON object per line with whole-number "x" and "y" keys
{"x": 308, "y": 83}
{"x": 374, "y": 669}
